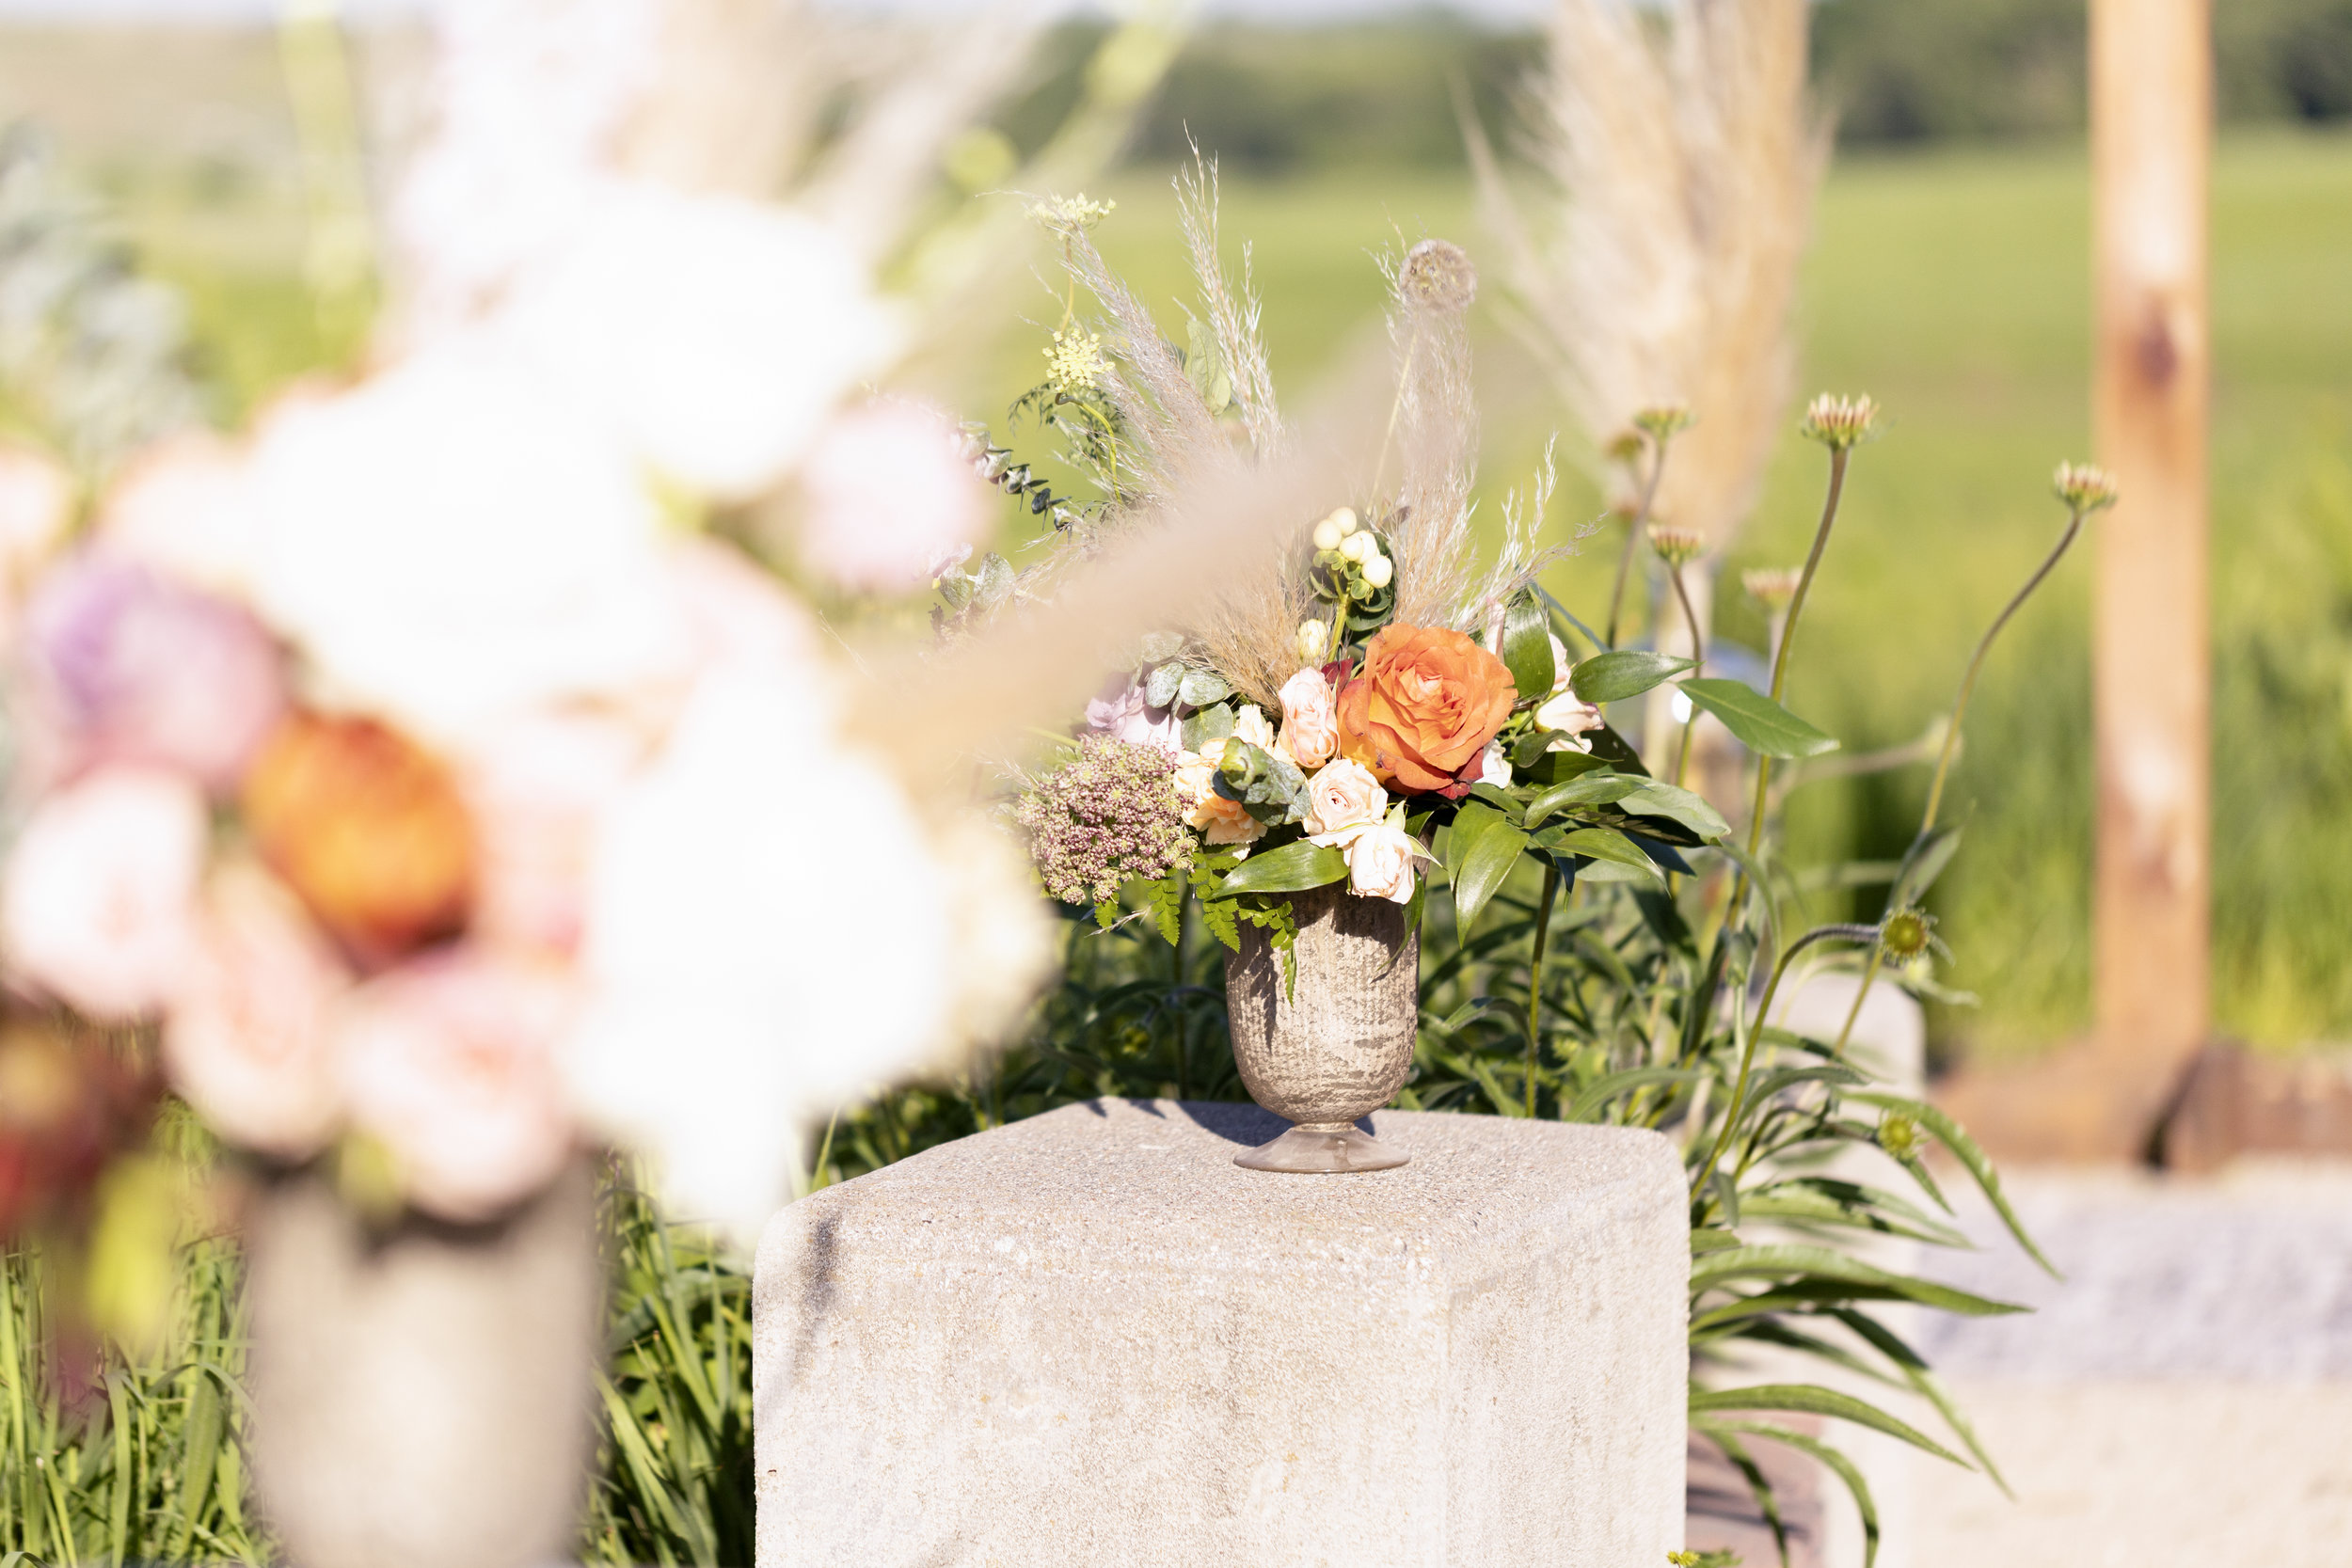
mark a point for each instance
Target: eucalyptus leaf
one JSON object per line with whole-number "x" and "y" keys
{"x": 1200, "y": 688}
{"x": 1158, "y": 647}
{"x": 1763, "y": 726}
{"x": 995, "y": 578}
{"x": 1612, "y": 677}
{"x": 1161, "y": 685}
{"x": 1214, "y": 722}
{"x": 1527, "y": 646}
{"x": 1293, "y": 869}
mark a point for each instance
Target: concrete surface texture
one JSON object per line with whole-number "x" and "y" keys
{"x": 2183, "y": 1399}
{"x": 1090, "y": 1338}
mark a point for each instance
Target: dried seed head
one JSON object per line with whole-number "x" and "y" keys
{"x": 1676, "y": 547}
{"x": 1074, "y": 363}
{"x": 2085, "y": 487}
{"x": 1437, "y": 276}
{"x": 1774, "y": 587}
{"x": 1839, "y": 423}
{"x": 1904, "y": 934}
{"x": 1660, "y": 421}
{"x": 1067, "y": 215}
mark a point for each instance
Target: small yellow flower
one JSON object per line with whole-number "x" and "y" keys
{"x": 1663, "y": 419}
{"x": 1676, "y": 547}
{"x": 1898, "y": 1134}
{"x": 1075, "y": 361}
{"x": 1071, "y": 215}
{"x": 2084, "y": 487}
{"x": 1839, "y": 423}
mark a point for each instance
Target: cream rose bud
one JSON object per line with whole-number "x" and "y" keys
{"x": 1379, "y": 570}
{"x": 1568, "y": 712}
{"x": 1341, "y": 796}
{"x": 98, "y": 906}
{"x": 1314, "y": 637}
{"x": 1380, "y": 864}
{"x": 1311, "y": 733}
{"x": 1252, "y": 725}
{"x": 1493, "y": 767}
{"x": 247, "y": 1041}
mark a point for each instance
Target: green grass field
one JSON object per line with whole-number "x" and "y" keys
{"x": 1953, "y": 286}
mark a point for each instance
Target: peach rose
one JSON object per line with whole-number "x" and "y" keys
{"x": 450, "y": 1061}
{"x": 1219, "y": 820}
{"x": 367, "y": 829}
{"x": 98, "y": 909}
{"x": 1341, "y": 796}
{"x": 1380, "y": 862}
{"x": 1422, "y": 708}
{"x": 247, "y": 1039}
{"x": 1309, "y": 733}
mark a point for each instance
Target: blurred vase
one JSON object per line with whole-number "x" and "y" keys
{"x": 422, "y": 1393}
{"x": 1338, "y": 1045}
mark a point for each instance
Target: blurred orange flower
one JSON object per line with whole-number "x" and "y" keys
{"x": 1423, "y": 706}
{"x": 367, "y": 829}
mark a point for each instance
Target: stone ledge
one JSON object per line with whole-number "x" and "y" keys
{"x": 1091, "y": 1338}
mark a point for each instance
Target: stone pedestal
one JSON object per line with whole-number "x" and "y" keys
{"x": 1091, "y": 1339}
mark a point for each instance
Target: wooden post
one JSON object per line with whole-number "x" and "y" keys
{"x": 2151, "y": 134}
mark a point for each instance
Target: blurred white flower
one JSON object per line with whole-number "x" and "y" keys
{"x": 538, "y": 790}
{"x": 456, "y": 541}
{"x": 1004, "y": 939}
{"x": 717, "y": 332}
{"x": 768, "y": 936}
{"x": 888, "y": 493}
{"x": 98, "y": 904}
{"x": 186, "y": 507}
{"x": 450, "y": 1062}
{"x": 247, "y": 1041}
{"x": 36, "y": 505}
{"x": 1493, "y": 767}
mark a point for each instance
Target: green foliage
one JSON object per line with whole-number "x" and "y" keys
{"x": 142, "y": 1459}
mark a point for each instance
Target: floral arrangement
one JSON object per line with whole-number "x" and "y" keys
{"x": 1324, "y": 727}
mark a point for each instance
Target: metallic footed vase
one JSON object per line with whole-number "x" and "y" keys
{"x": 1340, "y": 1046}
{"x": 422, "y": 1394}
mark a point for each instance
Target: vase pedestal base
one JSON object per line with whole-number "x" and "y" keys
{"x": 1322, "y": 1151}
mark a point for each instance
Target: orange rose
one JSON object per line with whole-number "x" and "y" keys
{"x": 367, "y": 829}
{"x": 1422, "y": 710}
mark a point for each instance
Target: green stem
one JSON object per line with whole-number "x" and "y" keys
{"x": 1951, "y": 736}
{"x": 1968, "y": 682}
{"x": 1535, "y": 974}
{"x": 1788, "y": 639}
{"x": 1633, "y": 536}
{"x": 1698, "y": 658}
{"x": 1756, "y": 1031}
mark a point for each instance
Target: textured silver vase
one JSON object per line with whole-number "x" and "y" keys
{"x": 424, "y": 1395}
{"x": 1337, "y": 1047}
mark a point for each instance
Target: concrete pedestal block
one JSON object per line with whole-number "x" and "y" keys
{"x": 1090, "y": 1340}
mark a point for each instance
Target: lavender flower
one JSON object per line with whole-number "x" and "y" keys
{"x": 1111, "y": 815}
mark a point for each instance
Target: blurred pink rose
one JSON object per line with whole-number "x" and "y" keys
{"x": 1124, "y": 712}
{"x": 887, "y": 492}
{"x": 1380, "y": 862}
{"x": 187, "y": 508}
{"x": 98, "y": 904}
{"x": 1342, "y": 795}
{"x": 539, "y": 790}
{"x": 247, "y": 1041}
{"x": 1310, "y": 732}
{"x": 36, "y": 503}
{"x": 450, "y": 1062}
{"x": 128, "y": 666}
